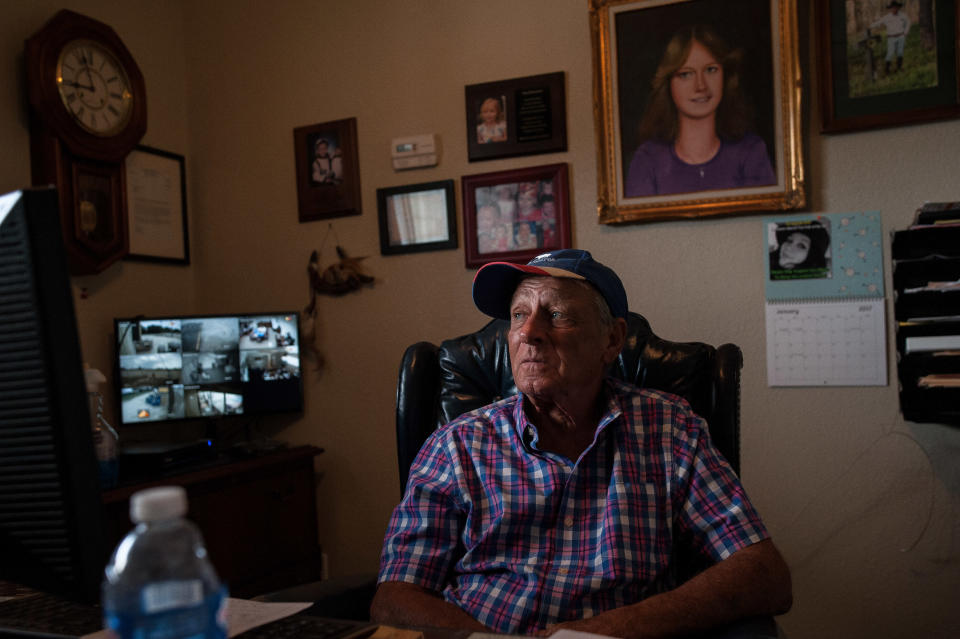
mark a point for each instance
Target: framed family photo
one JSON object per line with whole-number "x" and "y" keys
{"x": 886, "y": 62}
{"x": 328, "y": 169}
{"x": 417, "y": 217}
{"x": 697, "y": 108}
{"x": 513, "y": 216}
{"x": 520, "y": 116}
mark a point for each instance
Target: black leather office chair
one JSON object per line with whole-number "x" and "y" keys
{"x": 439, "y": 383}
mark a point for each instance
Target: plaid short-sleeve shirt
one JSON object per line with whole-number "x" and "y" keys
{"x": 521, "y": 538}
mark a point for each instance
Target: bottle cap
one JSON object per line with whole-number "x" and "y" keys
{"x": 155, "y": 504}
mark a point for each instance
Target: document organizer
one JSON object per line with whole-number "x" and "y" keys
{"x": 926, "y": 280}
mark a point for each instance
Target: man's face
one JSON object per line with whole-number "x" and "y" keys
{"x": 557, "y": 344}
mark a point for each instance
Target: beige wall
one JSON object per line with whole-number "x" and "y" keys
{"x": 864, "y": 506}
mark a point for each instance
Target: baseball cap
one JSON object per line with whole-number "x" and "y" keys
{"x": 494, "y": 283}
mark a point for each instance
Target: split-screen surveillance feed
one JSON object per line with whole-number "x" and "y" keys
{"x": 197, "y": 367}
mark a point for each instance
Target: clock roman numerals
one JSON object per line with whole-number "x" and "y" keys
{"x": 94, "y": 88}
{"x": 85, "y": 56}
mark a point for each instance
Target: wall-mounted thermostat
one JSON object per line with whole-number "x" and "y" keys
{"x": 415, "y": 151}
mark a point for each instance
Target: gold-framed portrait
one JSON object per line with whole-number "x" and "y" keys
{"x": 697, "y": 108}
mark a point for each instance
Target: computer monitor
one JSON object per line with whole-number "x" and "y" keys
{"x": 223, "y": 366}
{"x": 51, "y": 523}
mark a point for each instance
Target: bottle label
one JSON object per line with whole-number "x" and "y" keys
{"x": 205, "y": 619}
{"x": 166, "y": 595}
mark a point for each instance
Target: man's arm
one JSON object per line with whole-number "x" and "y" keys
{"x": 751, "y": 582}
{"x": 402, "y": 604}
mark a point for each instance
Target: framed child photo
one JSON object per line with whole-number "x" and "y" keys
{"x": 697, "y": 108}
{"x": 521, "y": 116}
{"x": 513, "y": 216}
{"x": 328, "y": 169}
{"x": 886, "y": 62}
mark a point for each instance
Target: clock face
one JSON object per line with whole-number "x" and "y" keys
{"x": 94, "y": 87}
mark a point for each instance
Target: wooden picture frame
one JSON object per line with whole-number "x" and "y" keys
{"x": 417, "y": 217}
{"x": 532, "y": 117}
{"x": 156, "y": 193}
{"x": 860, "y": 90}
{"x": 514, "y": 215}
{"x": 328, "y": 169}
{"x": 759, "y": 164}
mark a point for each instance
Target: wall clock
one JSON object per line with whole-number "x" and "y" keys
{"x": 88, "y": 110}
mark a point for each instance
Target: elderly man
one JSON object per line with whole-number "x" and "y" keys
{"x": 568, "y": 504}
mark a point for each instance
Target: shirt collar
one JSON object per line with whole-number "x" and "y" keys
{"x": 527, "y": 432}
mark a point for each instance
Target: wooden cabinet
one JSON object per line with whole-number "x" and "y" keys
{"x": 258, "y": 517}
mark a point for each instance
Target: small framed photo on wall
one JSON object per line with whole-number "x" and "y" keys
{"x": 417, "y": 217}
{"x": 328, "y": 169}
{"x": 522, "y": 116}
{"x": 515, "y": 215}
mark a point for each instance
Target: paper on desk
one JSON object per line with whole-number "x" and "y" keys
{"x": 242, "y": 615}
{"x": 559, "y": 634}
{"x": 576, "y": 634}
{"x": 389, "y": 632}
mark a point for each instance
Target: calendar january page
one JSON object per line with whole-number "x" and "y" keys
{"x": 825, "y": 315}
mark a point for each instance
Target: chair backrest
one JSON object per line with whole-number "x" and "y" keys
{"x": 439, "y": 383}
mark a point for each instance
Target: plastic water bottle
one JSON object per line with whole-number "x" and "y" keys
{"x": 159, "y": 583}
{"x": 104, "y": 436}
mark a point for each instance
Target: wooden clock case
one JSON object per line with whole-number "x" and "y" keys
{"x": 87, "y": 169}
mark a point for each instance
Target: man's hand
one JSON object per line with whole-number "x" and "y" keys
{"x": 402, "y": 604}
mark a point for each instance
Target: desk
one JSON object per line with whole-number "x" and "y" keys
{"x": 258, "y": 517}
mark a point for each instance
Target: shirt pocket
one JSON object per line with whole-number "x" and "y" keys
{"x": 635, "y": 535}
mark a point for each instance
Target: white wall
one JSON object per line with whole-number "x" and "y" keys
{"x": 864, "y": 505}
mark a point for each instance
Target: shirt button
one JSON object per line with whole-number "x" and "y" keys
{"x": 568, "y": 521}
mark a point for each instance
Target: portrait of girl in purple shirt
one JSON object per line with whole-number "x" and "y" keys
{"x": 695, "y": 134}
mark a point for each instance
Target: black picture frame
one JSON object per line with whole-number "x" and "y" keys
{"x": 856, "y": 90}
{"x": 417, "y": 217}
{"x": 534, "y": 115}
{"x": 156, "y": 199}
{"x": 335, "y": 192}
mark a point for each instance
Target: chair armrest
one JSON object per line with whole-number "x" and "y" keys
{"x": 725, "y": 423}
{"x": 418, "y": 385}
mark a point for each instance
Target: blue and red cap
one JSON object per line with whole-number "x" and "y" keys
{"x": 494, "y": 283}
